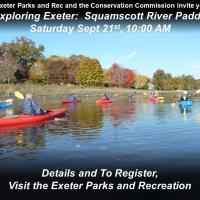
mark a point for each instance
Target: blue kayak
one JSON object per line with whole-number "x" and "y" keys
{"x": 6, "y": 103}
{"x": 184, "y": 104}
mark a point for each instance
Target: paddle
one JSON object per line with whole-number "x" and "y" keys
{"x": 197, "y": 92}
{"x": 19, "y": 95}
{"x": 9, "y": 100}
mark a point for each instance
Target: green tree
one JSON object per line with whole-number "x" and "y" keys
{"x": 90, "y": 72}
{"x": 160, "y": 79}
{"x": 26, "y": 53}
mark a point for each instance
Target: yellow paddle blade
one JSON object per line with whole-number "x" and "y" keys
{"x": 144, "y": 93}
{"x": 19, "y": 95}
{"x": 161, "y": 98}
{"x": 198, "y": 91}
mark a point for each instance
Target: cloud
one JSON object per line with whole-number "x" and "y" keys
{"x": 130, "y": 56}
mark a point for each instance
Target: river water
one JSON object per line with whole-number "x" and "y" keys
{"x": 125, "y": 133}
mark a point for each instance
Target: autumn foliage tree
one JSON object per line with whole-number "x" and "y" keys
{"x": 118, "y": 76}
{"x": 141, "y": 81}
{"x": 89, "y": 72}
{"x": 72, "y": 63}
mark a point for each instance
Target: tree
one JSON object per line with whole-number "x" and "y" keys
{"x": 26, "y": 53}
{"x": 16, "y": 57}
{"x": 107, "y": 80}
{"x": 119, "y": 76}
{"x": 38, "y": 72}
{"x": 72, "y": 63}
{"x": 141, "y": 81}
{"x": 89, "y": 72}
{"x": 160, "y": 79}
{"x": 116, "y": 74}
{"x": 128, "y": 78}
{"x": 8, "y": 63}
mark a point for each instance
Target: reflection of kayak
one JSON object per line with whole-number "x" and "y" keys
{"x": 6, "y": 103}
{"x": 14, "y": 128}
{"x": 104, "y": 101}
{"x": 70, "y": 101}
{"x": 185, "y": 103}
{"x": 25, "y": 119}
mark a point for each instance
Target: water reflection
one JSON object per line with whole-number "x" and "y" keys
{"x": 146, "y": 134}
{"x": 21, "y": 141}
{"x": 186, "y": 109}
{"x": 6, "y": 111}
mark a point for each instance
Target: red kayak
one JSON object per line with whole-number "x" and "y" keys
{"x": 104, "y": 101}
{"x": 70, "y": 101}
{"x": 25, "y": 119}
{"x": 152, "y": 99}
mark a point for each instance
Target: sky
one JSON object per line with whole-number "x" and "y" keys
{"x": 175, "y": 52}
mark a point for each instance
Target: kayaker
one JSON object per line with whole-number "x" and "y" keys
{"x": 105, "y": 97}
{"x": 30, "y": 107}
{"x": 155, "y": 94}
{"x": 184, "y": 96}
{"x": 72, "y": 97}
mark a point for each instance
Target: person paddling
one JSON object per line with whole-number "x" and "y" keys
{"x": 30, "y": 107}
{"x": 105, "y": 97}
{"x": 184, "y": 96}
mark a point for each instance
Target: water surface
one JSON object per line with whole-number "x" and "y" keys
{"x": 126, "y": 133}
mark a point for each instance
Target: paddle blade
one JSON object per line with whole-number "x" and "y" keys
{"x": 161, "y": 98}
{"x": 198, "y": 91}
{"x": 9, "y": 100}
{"x": 19, "y": 95}
{"x": 144, "y": 93}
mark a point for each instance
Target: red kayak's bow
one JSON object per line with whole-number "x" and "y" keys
{"x": 25, "y": 119}
{"x": 104, "y": 101}
{"x": 70, "y": 101}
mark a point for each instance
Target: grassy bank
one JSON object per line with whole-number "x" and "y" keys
{"x": 53, "y": 90}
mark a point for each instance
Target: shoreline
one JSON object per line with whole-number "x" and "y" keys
{"x": 61, "y": 90}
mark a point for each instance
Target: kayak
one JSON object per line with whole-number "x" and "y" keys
{"x": 104, "y": 101}
{"x": 184, "y": 104}
{"x": 6, "y": 103}
{"x": 156, "y": 99}
{"x": 70, "y": 101}
{"x": 152, "y": 99}
{"x": 25, "y": 119}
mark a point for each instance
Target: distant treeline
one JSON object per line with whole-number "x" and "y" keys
{"x": 21, "y": 61}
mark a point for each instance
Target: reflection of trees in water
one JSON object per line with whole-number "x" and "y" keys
{"x": 82, "y": 119}
{"x": 26, "y": 139}
{"x": 87, "y": 116}
{"x": 120, "y": 111}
